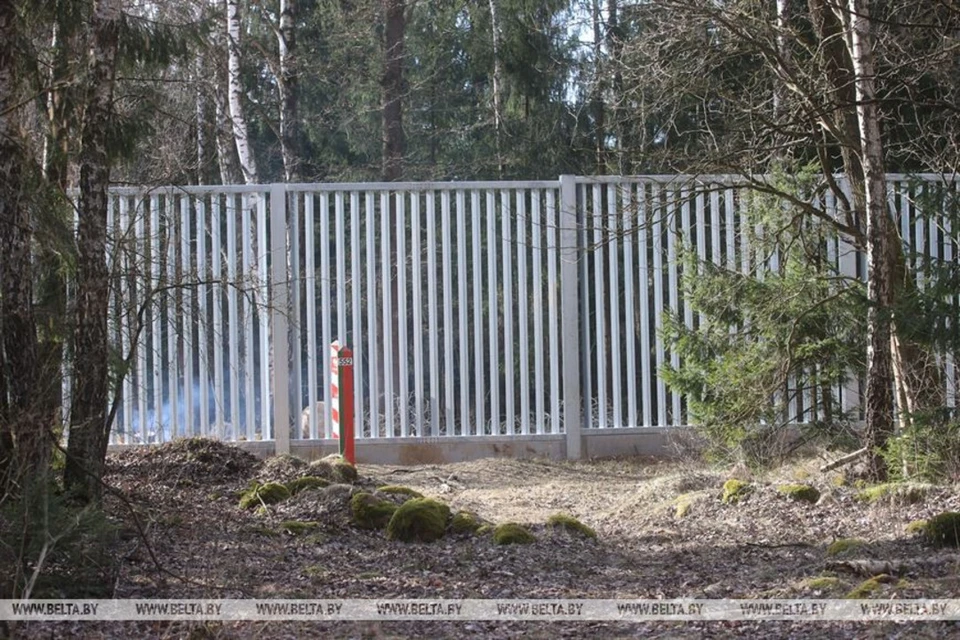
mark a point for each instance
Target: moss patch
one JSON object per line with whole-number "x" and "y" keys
{"x": 399, "y": 491}
{"x": 335, "y": 469}
{"x": 683, "y": 504}
{"x": 465, "y": 522}
{"x": 570, "y": 524}
{"x": 843, "y": 546}
{"x": 734, "y": 491}
{"x": 799, "y": 492}
{"x": 894, "y": 493}
{"x": 512, "y": 533}
{"x": 418, "y": 520}
{"x": 820, "y": 583}
{"x": 867, "y": 587}
{"x": 943, "y": 530}
{"x": 306, "y": 483}
{"x": 370, "y": 512}
{"x": 917, "y": 526}
{"x": 261, "y": 494}
{"x": 297, "y": 527}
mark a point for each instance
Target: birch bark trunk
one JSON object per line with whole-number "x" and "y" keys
{"x": 226, "y": 150}
{"x": 241, "y": 135}
{"x": 288, "y": 83}
{"x": 497, "y": 86}
{"x": 879, "y": 394}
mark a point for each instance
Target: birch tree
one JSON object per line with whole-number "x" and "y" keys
{"x": 879, "y": 394}
{"x": 288, "y": 85}
{"x": 497, "y": 85}
{"x": 235, "y": 93}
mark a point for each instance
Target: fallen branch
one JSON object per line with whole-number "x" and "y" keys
{"x": 847, "y": 459}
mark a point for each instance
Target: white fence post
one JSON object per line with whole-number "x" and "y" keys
{"x": 278, "y": 311}
{"x": 570, "y": 255}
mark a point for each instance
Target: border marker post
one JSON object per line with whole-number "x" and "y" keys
{"x": 341, "y": 394}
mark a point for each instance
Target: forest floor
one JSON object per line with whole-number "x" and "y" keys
{"x": 190, "y": 539}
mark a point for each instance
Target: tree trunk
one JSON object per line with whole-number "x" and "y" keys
{"x": 89, "y": 427}
{"x": 597, "y": 100}
{"x": 226, "y": 149}
{"x": 879, "y": 395}
{"x": 23, "y": 431}
{"x": 201, "y": 110}
{"x": 289, "y": 86}
{"x": 615, "y": 49}
{"x": 838, "y": 69}
{"x": 241, "y": 135}
{"x": 497, "y": 86}
{"x": 392, "y": 84}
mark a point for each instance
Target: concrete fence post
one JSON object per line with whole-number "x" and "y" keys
{"x": 279, "y": 297}
{"x": 570, "y": 255}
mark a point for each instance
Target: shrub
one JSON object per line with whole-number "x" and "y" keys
{"x": 71, "y": 544}
{"x": 943, "y": 530}
{"x": 927, "y": 449}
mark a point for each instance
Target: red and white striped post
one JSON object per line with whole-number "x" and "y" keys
{"x": 341, "y": 392}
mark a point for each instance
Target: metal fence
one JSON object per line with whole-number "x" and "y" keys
{"x": 473, "y": 308}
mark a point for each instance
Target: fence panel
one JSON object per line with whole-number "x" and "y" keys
{"x": 484, "y": 308}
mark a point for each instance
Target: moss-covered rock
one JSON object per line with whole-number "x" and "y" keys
{"x": 419, "y": 520}
{"x": 894, "y": 493}
{"x": 843, "y": 546}
{"x": 734, "y": 491}
{"x": 397, "y": 490}
{"x": 465, "y": 522}
{"x": 370, "y": 512}
{"x": 867, "y": 587}
{"x": 512, "y": 533}
{"x": 263, "y": 494}
{"x": 799, "y": 492}
{"x": 570, "y": 524}
{"x": 306, "y": 483}
{"x": 298, "y": 527}
{"x": 943, "y": 530}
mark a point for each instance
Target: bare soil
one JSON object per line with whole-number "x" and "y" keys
{"x": 197, "y": 543}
